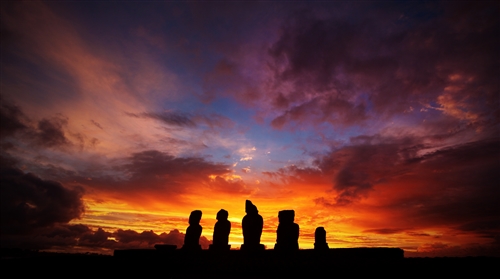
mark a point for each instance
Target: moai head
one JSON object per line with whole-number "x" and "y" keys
{"x": 195, "y": 217}
{"x": 222, "y": 215}
{"x": 320, "y": 235}
{"x": 286, "y": 216}
{"x": 250, "y": 208}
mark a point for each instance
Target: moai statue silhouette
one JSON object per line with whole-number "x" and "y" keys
{"x": 320, "y": 239}
{"x": 221, "y": 232}
{"x": 252, "y": 225}
{"x": 288, "y": 232}
{"x": 193, "y": 232}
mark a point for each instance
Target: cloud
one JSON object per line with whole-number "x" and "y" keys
{"x": 463, "y": 179}
{"x": 12, "y": 119}
{"x": 385, "y": 230}
{"x": 149, "y": 238}
{"x": 182, "y": 119}
{"x": 369, "y": 161}
{"x": 414, "y": 186}
{"x": 490, "y": 227}
{"x": 357, "y": 168}
{"x": 424, "y": 74}
{"x": 67, "y": 237}
{"x": 96, "y": 123}
{"x": 153, "y": 164}
{"x": 18, "y": 129}
{"x": 29, "y": 202}
{"x": 154, "y": 175}
{"x": 169, "y": 118}
{"x": 322, "y": 109}
{"x": 230, "y": 185}
{"x": 50, "y": 132}
{"x": 329, "y": 68}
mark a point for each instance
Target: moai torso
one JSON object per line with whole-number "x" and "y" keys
{"x": 320, "y": 239}
{"x": 193, "y": 232}
{"x": 287, "y": 234}
{"x": 252, "y": 225}
{"x": 222, "y": 229}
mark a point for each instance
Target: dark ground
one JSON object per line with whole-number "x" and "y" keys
{"x": 238, "y": 265}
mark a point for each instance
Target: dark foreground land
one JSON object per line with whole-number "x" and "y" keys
{"x": 237, "y": 264}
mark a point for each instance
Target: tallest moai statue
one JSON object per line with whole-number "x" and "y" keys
{"x": 252, "y": 228}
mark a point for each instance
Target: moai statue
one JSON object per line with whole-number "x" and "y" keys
{"x": 221, "y": 232}
{"x": 252, "y": 228}
{"x": 193, "y": 232}
{"x": 287, "y": 232}
{"x": 320, "y": 239}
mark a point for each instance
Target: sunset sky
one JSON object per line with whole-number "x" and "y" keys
{"x": 377, "y": 120}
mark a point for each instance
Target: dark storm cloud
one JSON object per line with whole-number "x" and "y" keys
{"x": 6, "y": 160}
{"x": 456, "y": 186}
{"x": 66, "y": 230}
{"x": 29, "y": 202}
{"x": 355, "y": 169}
{"x": 465, "y": 179}
{"x": 50, "y": 132}
{"x": 159, "y": 175}
{"x": 92, "y": 238}
{"x": 322, "y": 109}
{"x": 370, "y": 161}
{"x": 154, "y": 164}
{"x": 487, "y": 228}
{"x": 53, "y": 133}
{"x": 12, "y": 119}
{"x": 407, "y": 55}
{"x": 453, "y": 186}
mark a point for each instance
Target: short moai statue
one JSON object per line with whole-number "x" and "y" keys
{"x": 193, "y": 232}
{"x": 288, "y": 232}
{"x": 221, "y": 232}
{"x": 252, "y": 225}
{"x": 320, "y": 239}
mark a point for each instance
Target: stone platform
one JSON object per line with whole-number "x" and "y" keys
{"x": 239, "y": 257}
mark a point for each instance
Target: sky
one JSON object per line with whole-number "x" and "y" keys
{"x": 377, "y": 120}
